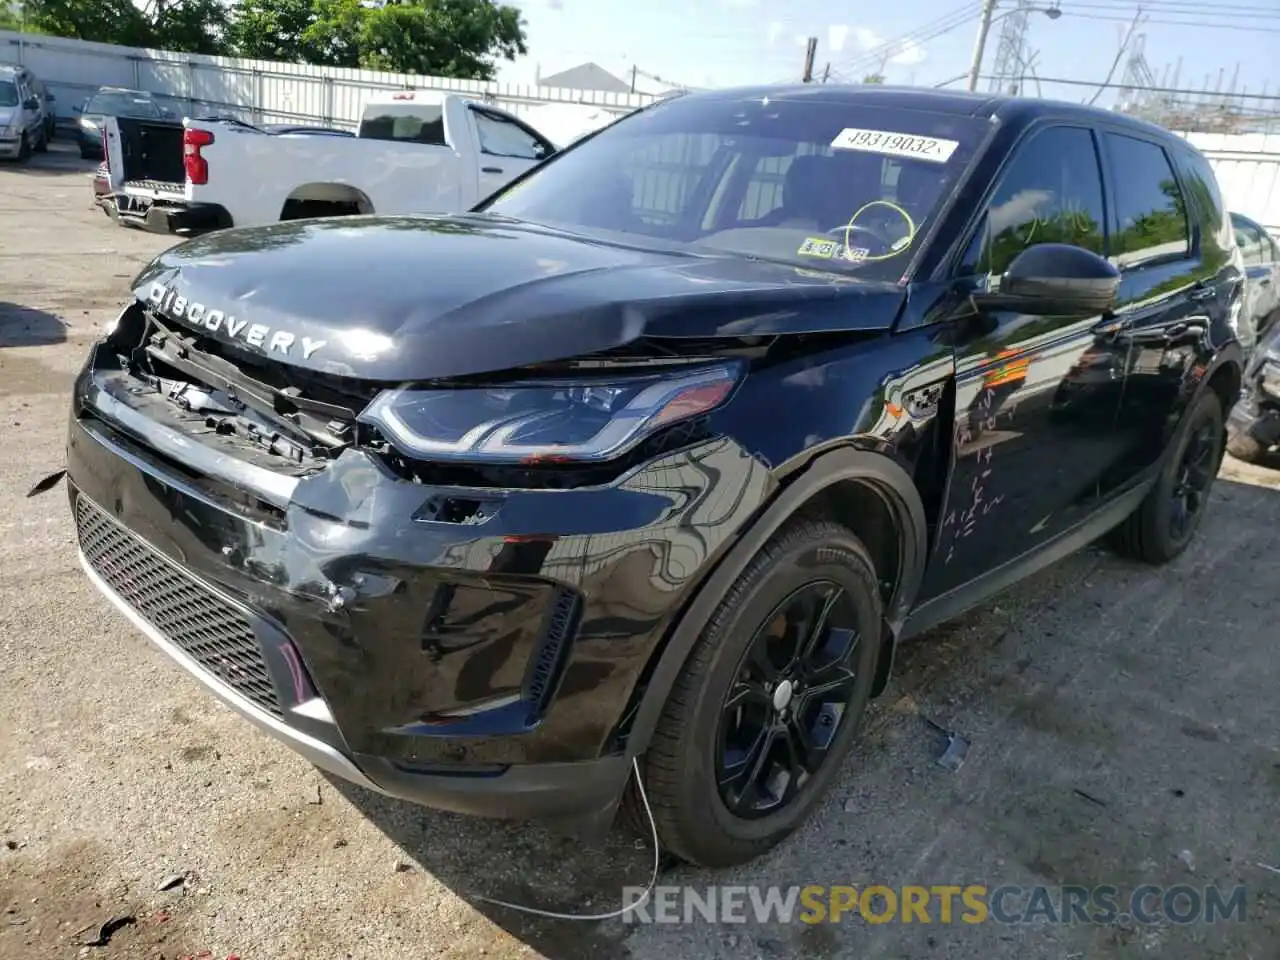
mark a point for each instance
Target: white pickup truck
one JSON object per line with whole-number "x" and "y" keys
{"x": 414, "y": 152}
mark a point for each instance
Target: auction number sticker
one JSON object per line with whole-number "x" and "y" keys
{"x": 893, "y": 144}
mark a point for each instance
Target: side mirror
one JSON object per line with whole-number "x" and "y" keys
{"x": 31, "y": 103}
{"x": 1053, "y": 278}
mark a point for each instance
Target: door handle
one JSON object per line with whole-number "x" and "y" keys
{"x": 490, "y": 169}
{"x": 1202, "y": 291}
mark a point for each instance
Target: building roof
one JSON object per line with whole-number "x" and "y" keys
{"x": 587, "y": 76}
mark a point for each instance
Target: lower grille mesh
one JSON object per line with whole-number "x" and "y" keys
{"x": 186, "y": 613}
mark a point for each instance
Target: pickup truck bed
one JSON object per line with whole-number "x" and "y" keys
{"x": 416, "y": 152}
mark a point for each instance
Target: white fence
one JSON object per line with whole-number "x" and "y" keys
{"x": 257, "y": 91}
{"x": 1248, "y": 169}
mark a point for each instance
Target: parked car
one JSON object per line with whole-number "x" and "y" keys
{"x": 111, "y": 102}
{"x": 23, "y": 125}
{"x": 634, "y": 477}
{"x": 1262, "y": 266}
{"x": 1253, "y": 429}
{"x": 48, "y": 102}
{"x": 414, "y": 152}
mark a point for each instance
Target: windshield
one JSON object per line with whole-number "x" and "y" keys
{"x": 8, "y": 93}
{"x": 823, "y": 184}
{"x": 122, "y": 105}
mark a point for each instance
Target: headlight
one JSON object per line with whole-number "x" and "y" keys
{"x": 580, "y": 420}
{"x": 89, "y": 125}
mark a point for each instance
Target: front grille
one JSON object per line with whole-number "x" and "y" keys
{"x": 184, "y": 611}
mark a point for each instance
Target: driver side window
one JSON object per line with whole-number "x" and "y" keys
{"x": 1050, "y": 193}
{"x": 501, "y": 137}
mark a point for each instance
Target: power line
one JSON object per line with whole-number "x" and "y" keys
{"x": 1187, "y": 6}
{"x": 922, "y": 34}
{"x": 1180, "y": 23}
{"x": 1168, "y": 90}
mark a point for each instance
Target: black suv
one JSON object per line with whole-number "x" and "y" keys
{"x": 647, "y": 464}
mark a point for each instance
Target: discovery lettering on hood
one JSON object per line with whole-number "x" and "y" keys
{"x": 168, "y": 301}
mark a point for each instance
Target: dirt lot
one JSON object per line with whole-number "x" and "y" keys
{"x": 1123, "y": 723}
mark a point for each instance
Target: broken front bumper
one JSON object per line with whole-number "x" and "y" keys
{"x": 476, "y": 650}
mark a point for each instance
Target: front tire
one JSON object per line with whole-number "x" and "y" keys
{"x": 1164, "y": 524}
{"x": 42, "y": 145}
{"x": 768, "y": 704}
{"x": 24, "y": 150}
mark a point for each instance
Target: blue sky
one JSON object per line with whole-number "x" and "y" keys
{"x": 724, "y": 42}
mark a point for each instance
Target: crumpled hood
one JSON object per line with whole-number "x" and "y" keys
{"x": 408, "y": 298}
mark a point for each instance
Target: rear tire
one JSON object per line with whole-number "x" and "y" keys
{"x": 1167, "y": 519}
{"x": 708, "y": 809}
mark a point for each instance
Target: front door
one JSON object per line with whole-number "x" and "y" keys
{"x": 1036, "y": 396}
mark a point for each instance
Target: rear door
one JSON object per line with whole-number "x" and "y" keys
{"x": 1036, "y": 395}
{"x": 1175, "y": 264}
{"x": 507, "y": 149}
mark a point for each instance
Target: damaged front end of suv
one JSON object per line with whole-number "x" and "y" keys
{"x": 444, "y": 503}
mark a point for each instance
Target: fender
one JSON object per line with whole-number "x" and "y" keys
{"x": 1230, "y": 355}
{"x": 899, "y": 492}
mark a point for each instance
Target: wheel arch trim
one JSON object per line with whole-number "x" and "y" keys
{"x": 885, "y": 476}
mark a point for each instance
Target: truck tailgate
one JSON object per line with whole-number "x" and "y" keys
{"x": 148, "y": 156}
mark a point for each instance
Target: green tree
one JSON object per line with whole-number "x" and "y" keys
{"x": 189, "y": 26}
{"x": 454, "y": 38}
{"x": 334, "y": 39}
{"x": 192, "y": 26}
{"x": 873, "y": 78}
{"x": 272, "y": 29}
{"x": 107, "y": 21}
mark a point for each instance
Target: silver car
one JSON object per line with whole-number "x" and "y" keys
{"x": 23, "y": 125}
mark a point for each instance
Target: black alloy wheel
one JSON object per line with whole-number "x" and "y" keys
{"x": 768, "y": 702}
{"x": 787, "y": 701}
{"x": 1163, "y": 525}
{"x": 1195, "y": 476}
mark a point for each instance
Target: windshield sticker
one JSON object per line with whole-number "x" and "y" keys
{"x": 856, "y": 254}
{"x": 891, "y": 144}
{"x": 816, "y": 247}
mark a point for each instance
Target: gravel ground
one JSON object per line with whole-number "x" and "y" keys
{"x": 1122, "y": 721}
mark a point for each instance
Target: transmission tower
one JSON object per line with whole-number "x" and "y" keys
{"x": 1010, "y": 51}
{"x": 1137, "y": 85}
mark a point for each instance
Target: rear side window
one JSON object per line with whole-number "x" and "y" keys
{"x": 1151, "y": 213}
{"x": 1206, "y": 196}
{"x": 1051, "y": 192}
{"x": 404, "y": 123}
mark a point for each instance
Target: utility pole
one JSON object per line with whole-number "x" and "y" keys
{"x": 633, "y": 78}
{"x": 826, "y": 73}
{"x": 811, "y": 51}
{"x": 984, "y": 27}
